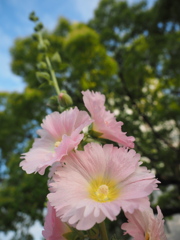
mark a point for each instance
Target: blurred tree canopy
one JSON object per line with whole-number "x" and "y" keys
{"x": 128, "y": 52}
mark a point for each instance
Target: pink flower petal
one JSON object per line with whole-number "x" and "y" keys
{"x": 53, "y": 227}
{"x": 85, "y": 191}
{"x": 104, "y": 121}
{"x": 60, "y": 134}
{"x": 143, "y": 223}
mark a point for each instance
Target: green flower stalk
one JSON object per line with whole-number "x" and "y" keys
{"x": 103, "y": 231}
{"x": 47, "y": 72}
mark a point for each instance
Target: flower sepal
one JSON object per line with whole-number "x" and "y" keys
{"x": 95, "y": 134}
{"x": 94, "y": 232}
{"x": 74, "y": 234}
{"x": 91, "y": 234}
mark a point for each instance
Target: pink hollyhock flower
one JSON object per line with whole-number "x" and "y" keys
{"x": 60, "y": 134}
{"x": 97, "y": 182}
{"x": 53, "y": 227}
{"x": 143, "y": 225}
{"x": 104, "y": 121}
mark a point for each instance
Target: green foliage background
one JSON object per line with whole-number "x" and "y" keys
{"x": 130, "y": 54}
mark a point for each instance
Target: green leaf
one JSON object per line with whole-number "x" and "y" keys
{"x": 53, "y": 103}
{"x": 56, "y": 58}
{"x": 42, "y": 76}
{"x": 47, "y": 42}
{"x": 94, "y": 232}
{"x": 41, "y": 66}
{"x": 74, "y": 234}
{"x": 42, "y": 47}
{"x": 43, "y": 85}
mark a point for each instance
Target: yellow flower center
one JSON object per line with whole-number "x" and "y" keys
{"x": 147, "y": 237}
{"x": 102, "y": 193}
{"x": 103, "y": 190}
{"x": 57, "y": 143}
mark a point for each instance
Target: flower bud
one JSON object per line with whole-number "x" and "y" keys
{"x": 65, "y": 100}
{"x": 38, "y": 27}
{"x": 35, "y": 36}
{"x": 33, "y": 17}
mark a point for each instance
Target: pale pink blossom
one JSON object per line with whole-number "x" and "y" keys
{"x": 143, "y": 225}
{"x": 97, "y": 182}
{"x": 104, "y": 121}
{"x": 59, "y": 135}
{"x": 53, "y": 227}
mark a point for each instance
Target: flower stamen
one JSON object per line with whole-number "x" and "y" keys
{"x": 102, "y": 193}
{"x": 103, "y": 190}
{"x": 147, "y": 237}
{"x": 57, "y": 143}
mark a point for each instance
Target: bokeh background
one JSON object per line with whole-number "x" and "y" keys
{"x": 128, "y": 50}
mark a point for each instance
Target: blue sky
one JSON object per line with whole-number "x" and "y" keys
{"x": 15, "y": 24}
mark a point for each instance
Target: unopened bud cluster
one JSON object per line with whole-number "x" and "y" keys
{"x": 45, "y": 73}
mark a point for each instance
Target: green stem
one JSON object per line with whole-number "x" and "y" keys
{"x": 103, "y": 231}
{"x": 40, "y": 38}
{"x": 50, "y": 68}
{"x": 52, "y": 75}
